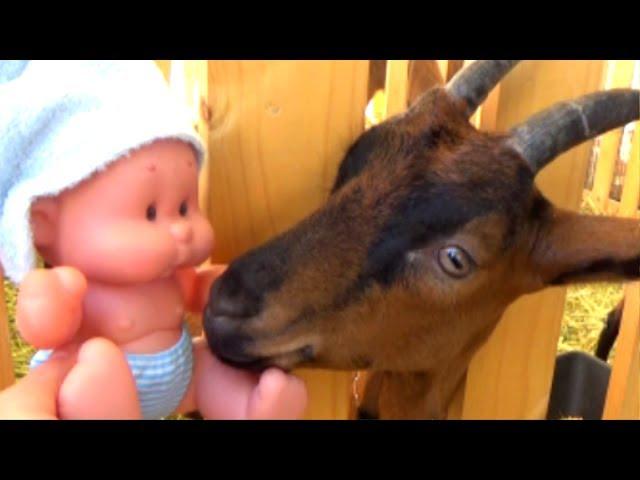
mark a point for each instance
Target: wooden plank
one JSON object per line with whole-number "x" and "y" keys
{"x": 453, "y": 66}
{"x": 165, "y": 67}
{"x": 279, "y": 131}
{"x": 396, "y": 87}
{"x": 6, "y": 360}
{"x": 623, "y": 395}
{"x": 487, "y": 118}
{"x": 619, "y": 75}
{"x": 396, "y": 96}
{"x": 631, "y": 189}
{"x": 443, "y": 66}
{"x": 510, "y": 377}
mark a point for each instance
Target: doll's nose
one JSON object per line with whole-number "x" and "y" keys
{"x": 182, "y": 232}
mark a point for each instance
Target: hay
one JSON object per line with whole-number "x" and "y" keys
{"x": 585, "y": 313}
{"x": 22, "y": 352}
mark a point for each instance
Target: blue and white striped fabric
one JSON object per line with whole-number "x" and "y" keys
{"x": 162, "y": 378}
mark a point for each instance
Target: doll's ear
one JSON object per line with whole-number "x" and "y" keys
{"x": 44, "y": 221}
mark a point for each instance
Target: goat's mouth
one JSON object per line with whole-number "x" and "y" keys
{"x": 284, "y": 361}
{"x": 229, "y": 343}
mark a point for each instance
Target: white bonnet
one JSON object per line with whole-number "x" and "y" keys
{"x": 63, "y": 121}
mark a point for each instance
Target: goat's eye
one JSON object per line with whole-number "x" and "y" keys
{"x": 455, "y": 261}
{"x": 151, "y": 212}
{"x": 183, "y": 209}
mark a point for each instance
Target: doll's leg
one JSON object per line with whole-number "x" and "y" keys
{"x": 223, "y": 392}
{"x": 100, "y": 385}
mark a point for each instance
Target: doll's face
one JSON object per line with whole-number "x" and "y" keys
{"x": 136, "y": 221}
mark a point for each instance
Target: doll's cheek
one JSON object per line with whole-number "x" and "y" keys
{"x": 123, "y": 253}
{"x": 204, "y": 240}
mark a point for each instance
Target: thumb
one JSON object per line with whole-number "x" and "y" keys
{"x": 35, "y": 395}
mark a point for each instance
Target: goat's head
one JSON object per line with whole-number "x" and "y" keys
{"x": 432, "y": 229}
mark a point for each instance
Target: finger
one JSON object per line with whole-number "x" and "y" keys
{"x": 278, "y": 396}
{"x": 35, "y": 395}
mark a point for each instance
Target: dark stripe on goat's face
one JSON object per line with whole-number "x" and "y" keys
{"x": 359, "y": 154}
{"x": 629, "y": 269}
{"x": 435, "y": 208}
{"x": 430, "y": 211}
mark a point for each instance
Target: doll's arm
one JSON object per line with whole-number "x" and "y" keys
{"x": 49, "y": 307}
{"x": 195, "y": 285}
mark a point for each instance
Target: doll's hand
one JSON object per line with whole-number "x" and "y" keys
{"x": 196, "y": 283}
{"x": 49, "y": 307}
{"x": 278, "y": 396}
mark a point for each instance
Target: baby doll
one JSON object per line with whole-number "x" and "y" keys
{"x": 99, "y": 174}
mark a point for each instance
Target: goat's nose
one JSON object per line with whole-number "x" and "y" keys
{"x": 235, "y": 295}
{"x": 226, "y": 340}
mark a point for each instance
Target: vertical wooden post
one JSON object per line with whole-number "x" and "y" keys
{"x": 619, "y": 75}
{"x": 631, "y": 189}
{"x": 165, "y": 67}
{"x": 443, "y": 66}
{"x": 280, "y": 129}
{"x": 396, "y": 94}
{"x": 623, "y": 394}
{"x": 510, "y": 377}
{"x": 396, "y": 87}
{"x": 486, "y": 120}
{"x": 6, "y": 360}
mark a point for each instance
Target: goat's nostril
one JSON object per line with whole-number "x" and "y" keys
{"x": 230, "y": 297}
{"x": 228, "y": 307}
{"x": 226, "y": 341}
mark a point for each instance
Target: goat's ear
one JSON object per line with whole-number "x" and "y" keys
{"x": 573, "y": 248}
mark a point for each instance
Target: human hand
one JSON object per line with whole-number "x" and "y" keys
{"x": 34, "y": 397}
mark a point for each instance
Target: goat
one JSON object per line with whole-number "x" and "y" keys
{"x": 432, "y": 229}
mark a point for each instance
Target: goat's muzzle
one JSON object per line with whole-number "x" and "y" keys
{"x": 232, "y": 327}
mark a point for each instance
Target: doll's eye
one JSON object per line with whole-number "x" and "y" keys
{"x": 151, "y": 213}
{"x": 183, "y": 209}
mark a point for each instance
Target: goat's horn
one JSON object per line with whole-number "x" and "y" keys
{"x": 567, "y": 124}
{"x": 474, "y": 83}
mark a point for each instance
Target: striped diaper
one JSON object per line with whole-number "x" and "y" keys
{"x": 161, "y": 378}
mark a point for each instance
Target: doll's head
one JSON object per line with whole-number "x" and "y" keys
{"x": 136, "y": 221}
{"x": 98, "y": 170}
